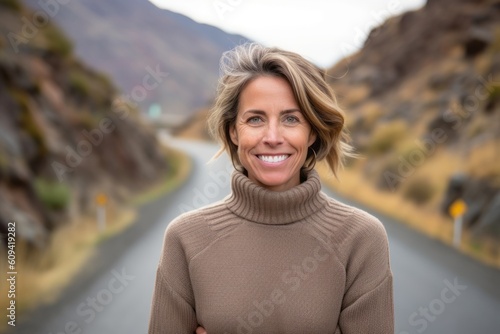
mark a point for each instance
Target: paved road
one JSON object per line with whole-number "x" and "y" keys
{"x": 437, "y": 290}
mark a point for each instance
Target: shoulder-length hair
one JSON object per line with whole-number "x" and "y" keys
{"x": 314, "y": 96}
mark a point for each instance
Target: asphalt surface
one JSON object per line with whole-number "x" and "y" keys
{"x": 436, "y": 289}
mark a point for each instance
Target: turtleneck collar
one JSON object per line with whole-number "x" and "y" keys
{"x": 258, "y": 204}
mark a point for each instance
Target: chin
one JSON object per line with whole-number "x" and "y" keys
{"x": 274, "y": 181}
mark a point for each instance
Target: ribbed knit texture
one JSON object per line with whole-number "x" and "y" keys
{"x": 261, "y": 261}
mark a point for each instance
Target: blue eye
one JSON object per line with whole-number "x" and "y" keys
{"x": 254, "y": 119}
{"x": 291, "y": 119}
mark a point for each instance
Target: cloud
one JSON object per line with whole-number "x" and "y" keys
{"x": 315, "y": 29}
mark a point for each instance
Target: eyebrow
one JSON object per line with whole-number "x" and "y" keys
{"x": 261, "y": 112}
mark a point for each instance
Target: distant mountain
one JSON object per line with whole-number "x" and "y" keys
{"x": 423, "y": 105}
{"x": 64, "y": 134}
{"x": 129, "y": 39}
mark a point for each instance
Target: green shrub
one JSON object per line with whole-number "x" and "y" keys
{"x": 79, "y": 83}
{"x": 11, "y": 4}
{"x": 419, "y": 190}
{"x": 385, "y": 137}
{"x": 53, "y": 195}
{"x": 4, "y": 162}
{"x": 90, "y": 88}
{"x": 493, "y": 92}
{"x": 87, "y": 120}
{"x": 28, "y": 122}
{"x": 104, "y": 81}
{"x": 57, "y": 42}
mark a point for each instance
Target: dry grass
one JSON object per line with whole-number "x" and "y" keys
{"x": 372, "y": 111}
{"x": 425, "y": 219}
{"x": 42, "y": 279}
{"x": 353, "y": 95}
{"x": 483, "y": 161}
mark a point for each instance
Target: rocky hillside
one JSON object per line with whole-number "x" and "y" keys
{"x": 423, "y": 104}
{"x": 64, "y": 134}
{"x": 125, "y": 38}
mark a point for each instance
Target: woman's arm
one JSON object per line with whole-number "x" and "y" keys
{"x": 172, "y": 309}
{"x": 367, "y": 306}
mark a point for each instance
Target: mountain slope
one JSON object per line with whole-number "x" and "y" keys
{"x": 64, "y": 134}
{"x": 423, "y": 104}
{"x": 123, "y": 38}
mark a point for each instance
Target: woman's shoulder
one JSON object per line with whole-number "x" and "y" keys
{"x": 205, "y": 222}
{"x": 353, "y": 221}
{"x": 192, "y": 230}
{"x": 194, "y": 217}
{"x": 355, "y": 233}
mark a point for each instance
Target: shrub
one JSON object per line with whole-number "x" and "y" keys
{"x": 419, "y": 190}
{"x": 11, "y": 4}
{"x": 28, "y": 122}
{"x": 79, "y": 84}
{"x": 386, "y": 136}
{"x": 493, "y": 96}
{"x": 57, "y": 42}
{"x": 53, "y": 195}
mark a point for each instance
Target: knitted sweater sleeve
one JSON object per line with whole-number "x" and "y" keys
{"x": 367, "y": 305}
{"x": 172, "y": 309}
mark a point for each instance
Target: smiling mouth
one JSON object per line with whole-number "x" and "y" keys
{"x": 273, "y": 158}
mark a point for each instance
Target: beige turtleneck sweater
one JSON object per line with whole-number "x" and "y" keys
{"x": 274, "y": 262}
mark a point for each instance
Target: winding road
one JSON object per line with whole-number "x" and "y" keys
{"x": 436, "y": 289}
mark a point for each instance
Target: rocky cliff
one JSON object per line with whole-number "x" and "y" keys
{"x": 65, "y": 135}
{"x": 423, "y": 104}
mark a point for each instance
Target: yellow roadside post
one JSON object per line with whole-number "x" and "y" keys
{"x": 101, "y": 200}
{"x": 457, "y": 211}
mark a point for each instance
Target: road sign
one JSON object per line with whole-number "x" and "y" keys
{"x": 458, "y": 208}
{"x": 101, "y": 199}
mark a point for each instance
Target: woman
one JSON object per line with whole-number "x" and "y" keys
{"x": 277, "y": 255}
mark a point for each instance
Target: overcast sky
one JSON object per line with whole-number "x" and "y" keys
{"x": 323, "y": 31}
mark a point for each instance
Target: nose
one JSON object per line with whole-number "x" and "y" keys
{"x": 273, "y": 135}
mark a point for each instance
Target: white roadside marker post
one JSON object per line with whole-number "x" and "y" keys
{"x": 457, "y": 211}
{"x": 101, "y": 201}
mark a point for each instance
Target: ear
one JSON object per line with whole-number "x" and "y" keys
{"x": 312, "y": 138}
{"x": 233, "y": 134}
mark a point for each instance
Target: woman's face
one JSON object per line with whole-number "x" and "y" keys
{"x": 271, "y": 133}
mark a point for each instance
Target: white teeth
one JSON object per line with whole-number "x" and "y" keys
{"x": 273, "y": 158}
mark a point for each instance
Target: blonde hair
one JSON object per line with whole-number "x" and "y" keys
{"x": 316, "y": 100}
